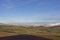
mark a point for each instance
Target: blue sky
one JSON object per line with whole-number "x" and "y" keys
{"x": 23, "y": 11}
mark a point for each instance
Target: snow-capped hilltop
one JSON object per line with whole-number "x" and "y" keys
{"x": 53, "y": 24}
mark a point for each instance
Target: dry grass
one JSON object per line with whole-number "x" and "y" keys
{"x": 3, "y": 34}
{"x": 51, "y": 33}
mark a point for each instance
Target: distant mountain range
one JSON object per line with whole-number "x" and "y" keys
{"x": 31, "y": 24}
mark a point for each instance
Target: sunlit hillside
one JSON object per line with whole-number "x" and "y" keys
{"x": 48, "y": 32}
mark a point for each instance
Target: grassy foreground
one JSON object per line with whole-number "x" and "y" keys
{"x": 48, "y": 32}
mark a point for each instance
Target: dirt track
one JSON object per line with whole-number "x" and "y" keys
{"x": 3, "y": 34}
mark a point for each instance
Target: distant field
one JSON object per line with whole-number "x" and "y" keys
{"x": 48, "y": 32}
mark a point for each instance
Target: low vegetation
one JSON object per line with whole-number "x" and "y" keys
{"x": 51, "y": 32}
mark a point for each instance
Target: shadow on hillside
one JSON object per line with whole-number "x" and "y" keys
{"x": 23, "y": 37}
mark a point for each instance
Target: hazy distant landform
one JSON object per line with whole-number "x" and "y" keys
{"x": 32, "y": 24}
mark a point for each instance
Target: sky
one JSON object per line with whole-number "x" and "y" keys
{"x": 29, "y": 11}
